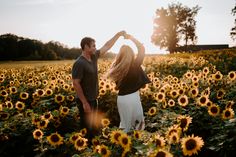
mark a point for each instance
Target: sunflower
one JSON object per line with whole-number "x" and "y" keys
{"x": 217, "y": 76}
{"x": 125, "y": 141}
{"x": 160, "y": 153}
{"x": 3, "y": 93}
{"x": 214, "y": 110}
{"x": 202, "y": 100}
{"x": 24, "y": 95}
{"x": 152, "y": 111}
{"x": 64, "y": 110}
{"x": 95, "y": 142}
{"x": 232, "y": 75}
{"x": 59, "y": 98}
{"x": 104, "y": 151}
{"x": 20, "y": 105}
{"x": 42, "y": 124}
{"x": 47, "y": 116}
{"x": 48, "y": 92}
{"x": 183, "y": 100}
{"x": 220, "y": 94}
{"x": 105, "y": 132}
{"x": 160, "y": 97}
{"x": 188, "y": 74}
{"x": 171, "y": 103}
{"x": 40, "y": 92}
{"x": 105, "y": 122}
{"x": 195, "y": 79}
{"x": 55, "y": 139}
{"x": 228, "y": 113}
{"x": 205, "y": 70}
{"x": 4, "y": 115}
{"x": 184, "y": 122}
{"x": 191, "y": 145}
{"x": 174, "y": 138}
{"x": 181, "y": 91}
{"x": 80, "y": 143}
{"x": 209, "y": 103}
{"x": 159, "y": 141}
{"x": 1, "y": 79}
{"x": 137, "y": 134}
{"x": 173, "y": 129}
{"x": 37, "y": 134}
{"x": 13, "y": 90}
{"x": 114, "y": 137}
{"x": 74, "y": 137}
{"x": 229, "y": 104}
{"x": 9, "y": 104}
{"x": 174, "y": 93}
{"x": 70, "y": 98}
{"x": 193, "y": 92}
{"x": 83, "y": 132}
{"x": 45, "y": 82}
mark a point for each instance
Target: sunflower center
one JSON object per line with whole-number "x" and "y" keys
{"x": 117, "y": 135}
{"x": 191, "y": 144}
{"x": 202, "y": 100}
{"x": 194, "y": 92}
{"x": 183, "y": 123}
{"x": 55, "y": 138}
{"x": 125, "y": 141}
{"x": 182, "y": 100}
{"x": 74, "y": 138}
{"x": 80, "y": 143}
{"x": 161, "y": 154}
{"x": 59, "y": 98}
{"x": 103, "y": 151}
{"x": 231, "y": 75}
{"x": 214, "y": 109}
{"x": 227, "y": 114}
{"x": 158, "y": 142}
{"x": 38, "y": 133}
{"x": 160, "y": 96}
{"x": 217, "y": 76}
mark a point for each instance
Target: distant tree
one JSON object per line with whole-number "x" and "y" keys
{"x": 174, "y": 24}
{"x": 233, "y": 30}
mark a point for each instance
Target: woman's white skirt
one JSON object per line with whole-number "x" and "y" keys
{"x": 130, "y": 111}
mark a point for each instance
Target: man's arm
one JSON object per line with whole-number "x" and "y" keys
{"x": 80, "y": 94}
{"x": 111, "y": 42}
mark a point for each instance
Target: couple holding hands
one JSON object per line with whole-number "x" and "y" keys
{"x": 125, "y": 71}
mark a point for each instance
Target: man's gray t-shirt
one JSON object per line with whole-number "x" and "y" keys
{"x": 87, "y": 72}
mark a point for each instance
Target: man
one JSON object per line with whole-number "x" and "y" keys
{"x": 85, "y": 77}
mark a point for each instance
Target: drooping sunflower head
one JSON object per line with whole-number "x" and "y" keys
{"x": 184, "y": 122}
{"x": 191, "y": 145}
{"x": 160, "y": 153}
{"x": 174, "y": 138}
{"x": 159, "y": 141}
{"x": 228, "y": 113}
{"x": 220, "y": 93}
{"x": 74, "y": 137}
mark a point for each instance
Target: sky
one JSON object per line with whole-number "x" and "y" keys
{"x": 68, "y": 21}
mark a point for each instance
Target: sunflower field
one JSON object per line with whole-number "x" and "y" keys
{"x": 188, "y": 107}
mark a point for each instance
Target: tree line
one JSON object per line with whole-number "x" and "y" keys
{"x": 13, "y": 47}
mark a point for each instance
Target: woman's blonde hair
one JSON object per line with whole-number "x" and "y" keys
{"x": 121, "y": 64}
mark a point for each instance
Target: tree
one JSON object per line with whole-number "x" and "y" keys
{"x": 174, "y": 24}
{"x": 233, "y": 30}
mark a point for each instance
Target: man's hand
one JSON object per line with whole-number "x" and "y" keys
{"x": 86, "y": 107}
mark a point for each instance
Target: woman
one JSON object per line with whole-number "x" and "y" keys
{"x": 126, "y": 71}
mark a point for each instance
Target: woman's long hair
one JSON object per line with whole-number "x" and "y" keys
{"x": 121, "y": 65}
